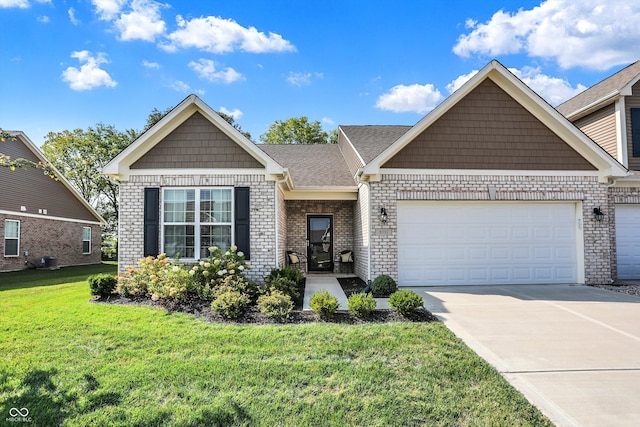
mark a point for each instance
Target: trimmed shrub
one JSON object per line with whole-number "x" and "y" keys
{"x": 324, "y": 304}
{"x": 282, "y": 284}
{"x": 275, "y": 305}
{"x": 406, "y": 302}
{"x": 361, "y": 305}
{"x": 230, "y": 304}
{"x": 102, "y": 285}
{"x": 383, "y": 286}
{"x": 289, "y": 272}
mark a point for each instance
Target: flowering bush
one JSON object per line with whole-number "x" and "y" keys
{"x": 155, "y": 277}
{"x": 219, "y": 269}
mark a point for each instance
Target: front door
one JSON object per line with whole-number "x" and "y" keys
{"x": 320, "y": 242}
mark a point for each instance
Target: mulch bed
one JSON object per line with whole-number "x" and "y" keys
{"x": 351, "y": 285}
{"x": 202, "y": 309}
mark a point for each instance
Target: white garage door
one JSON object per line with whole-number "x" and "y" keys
{"x": 628, "y": 241}
{"x": 462, "y": 243}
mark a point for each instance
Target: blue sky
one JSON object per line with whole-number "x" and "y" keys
{"x": 72, "y": 64}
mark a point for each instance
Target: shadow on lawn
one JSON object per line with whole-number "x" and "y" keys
{"x": 41, "y": 277}
{"x": 41, "y": 402}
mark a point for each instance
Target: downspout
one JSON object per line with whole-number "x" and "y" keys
{"x": 285, "y": 177}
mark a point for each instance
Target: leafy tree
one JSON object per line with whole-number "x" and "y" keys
{"x": 7, "y": 162}
{"x": 298, "y": 130}
{"x": 80, "y": 155}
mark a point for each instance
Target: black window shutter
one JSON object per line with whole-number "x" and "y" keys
{"x": 151, "y": 221}
{"x": 241, "y": 223}
{"x": 635, "y": 131}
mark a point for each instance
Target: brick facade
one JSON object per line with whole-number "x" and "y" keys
{"x": 262, "y": 216}
{"x": 587, "y": 190}
{"x": 343, "y": 227}
{"x": 50, "y": 237}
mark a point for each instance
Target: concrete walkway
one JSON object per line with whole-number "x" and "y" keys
{"x": 573, "y": 351}
{"x": 318, "y": 282}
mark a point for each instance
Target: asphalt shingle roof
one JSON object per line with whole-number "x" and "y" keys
{"x": 314, "y": 165}
{"x": 607, "y": 86}
{"x": 371, "y": 140}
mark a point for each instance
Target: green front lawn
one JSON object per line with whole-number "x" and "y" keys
{"x": 76, "y": 363}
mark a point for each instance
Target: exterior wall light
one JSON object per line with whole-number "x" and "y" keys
{"x": 597, "y": 214}
{"x": 383, "y": 215}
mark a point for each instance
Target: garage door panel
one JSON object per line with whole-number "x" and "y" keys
{"x": 488, "y": 243}
{"x": 628, "y": 241}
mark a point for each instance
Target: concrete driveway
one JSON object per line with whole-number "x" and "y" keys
{"x": 573, "y": 351}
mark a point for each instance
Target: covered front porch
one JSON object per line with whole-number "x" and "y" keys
{"x": 320, "y": 231}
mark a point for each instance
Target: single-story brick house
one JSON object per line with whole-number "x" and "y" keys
{"x": 44, "y": 222}
{"x": 493, "y": 186}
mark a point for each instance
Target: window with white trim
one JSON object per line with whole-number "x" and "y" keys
{"x": 86, "y": 240}
{"x": 11, "y": 237}
{"x": 194, "y": 219}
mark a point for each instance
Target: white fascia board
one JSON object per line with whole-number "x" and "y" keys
{"x": 119, "y": 167}
{"x": 486, "y": 172}
{"x": 362, "y": 162}
{"x": 52, "y": 218}
{"x": 594, "y": 106}
{"x": 373, "y": 167}
{"x": 531, "y": 101}
{"x": 338, "y": 194}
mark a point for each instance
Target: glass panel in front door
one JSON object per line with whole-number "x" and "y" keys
{"x": 320, "y": 249}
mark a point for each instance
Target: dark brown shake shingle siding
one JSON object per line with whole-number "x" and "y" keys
{"x": 196, "y": 143}
{"x": 601, "y": 127}
{"x": 488, "y": 130}
{"x": 34, "y": 190}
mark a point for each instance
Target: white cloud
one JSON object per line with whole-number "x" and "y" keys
{"x": 90, "y": 75}
{"x": 303, "y": 79}
{"x": 328, "y": 121}
{"x": 180, "y": 86}
{"x": 108, "y": 9}
{"x": 206, "y": 69}
{"x": 149, "y": 64}
{"x": 218, "y": 35}
{"x": 72, "y": 16}
{"x": 143, "y": 22}
{"x": 44, "y": 19}
{"x": 235, "y": 113}
{"x": 460, "y": 80}
{"x": 22, "y": 4}
{"x": 596, "y": 34}
{"x": 299, "y": 79}
{"x": 553, "y": 89}
{"x": 413, "y": 98}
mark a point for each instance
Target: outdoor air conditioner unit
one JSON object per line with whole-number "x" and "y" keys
{"x": 50, "y": 262}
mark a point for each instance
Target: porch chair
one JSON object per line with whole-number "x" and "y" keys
{"x": 297, "y": 260}
{"x": 346, "y": 259}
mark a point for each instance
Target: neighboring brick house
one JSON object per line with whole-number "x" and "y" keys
{"x": 609, "y": 113}
{"x": 493, "y": 186}
{"x": 43, "y": 217}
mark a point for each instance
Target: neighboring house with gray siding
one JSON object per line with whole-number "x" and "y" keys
{"x": 493, "y": 186}
{"x": 43, "y": 217}
{"x": 609, "y": 113}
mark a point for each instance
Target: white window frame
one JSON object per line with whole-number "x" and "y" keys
{"x": 85, "y": 240}
{"x": 197, "y": 223}
{"x": 17, "y": 238}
